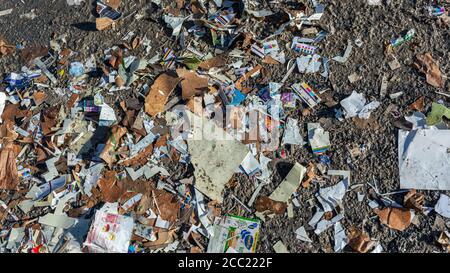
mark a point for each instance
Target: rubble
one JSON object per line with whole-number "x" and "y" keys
{"x": 172, "y": 126}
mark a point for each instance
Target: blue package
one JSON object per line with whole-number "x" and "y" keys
{"x": 237, "y": 97}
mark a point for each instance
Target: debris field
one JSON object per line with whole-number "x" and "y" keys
{"x": 224, "y": 126}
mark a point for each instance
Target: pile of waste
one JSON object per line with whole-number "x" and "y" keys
{"x": 126, "y": 151}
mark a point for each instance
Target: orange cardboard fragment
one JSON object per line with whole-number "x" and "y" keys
{"x": 113, "y": 3}
{"x": 310, "y": 175}
{"x": 418, "y": 105}
{"x": 5, "y": 48}
{"x": 159, "y": 93}
{"x": 270, "y": 60}
{"x": 395, "y": 218}
{"x": 425, "y": 64}
{"x": 192, "y": 84}
{"x": 218, "y": 61}
{"x": 414, "y": 200}
{"x": 103, "y": 23}
{"x": 9, "y": 179}
{"x": 264, "y": 203}
{"x": 110, "y": 189}
{"x": 140, "y": 159}
{"x": 359, "y": 241}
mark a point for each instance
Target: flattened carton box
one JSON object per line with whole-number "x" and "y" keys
{"x": 234, "y": 234}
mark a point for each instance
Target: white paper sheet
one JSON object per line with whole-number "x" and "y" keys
{"x": 443, "y": 206}
{"x": 424, "y": 159}
{"x": 302, "y": 234}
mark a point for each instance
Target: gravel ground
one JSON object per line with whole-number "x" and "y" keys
{"x": 345, "y": 20}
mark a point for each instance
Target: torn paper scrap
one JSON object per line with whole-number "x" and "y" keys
{"x": 279, "y": 247}
{"x": 344, "y": 58}
{"x": 15, "y": 237}
{"x": 289, "y": 185}
{"x": 175, "y": 23}
{"x": 299, "y": 47}
{"x": 309, "y": 64}
{"x": 395, "y": 218}
{"x": 316, "y": 218}
{"x": 107, "y": 116}
{"x": 302, "y": 235}
{"x": 259, "y": 13}
{"x": 159, "y": 93}
{"x": 203, "y": 213}
{"x": 423, "y": 159}
{"x": 332, "y": 197}
{"x": 250, "y": 165}
{"x": 5, "y": 12}
{"x": 443, "y": 206}
{"x": 319, "y": 139}
{"x": 418, "y": 120}
{"x": 324, "y": 224}
{"x": 60, "y": 221}
{"x": 306, "y": 94}
{"x": 344, "y": 174}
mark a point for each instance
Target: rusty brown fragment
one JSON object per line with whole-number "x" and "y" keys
{"x": 159, "y": 93}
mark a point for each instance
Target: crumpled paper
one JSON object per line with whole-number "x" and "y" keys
{"x": 355, "y": 105}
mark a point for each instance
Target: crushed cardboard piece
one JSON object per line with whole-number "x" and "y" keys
{"x": 395, "y": 218}
{"x": 425, "y": 64}
{"x": 303, "y": 235}
{"x": 192, "y": 84}
{"x": 159, "y": 93}
{"x": 9, "y": 179}
{"x": 264, "y": 203}
{"x": 414, "y": 200}
{"x": 360, "y": 241}
{"x": 112, "y": 144}
{"x": 103, "y": 23}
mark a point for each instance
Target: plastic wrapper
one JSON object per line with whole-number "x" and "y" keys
{"x": 109, "y": 233}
